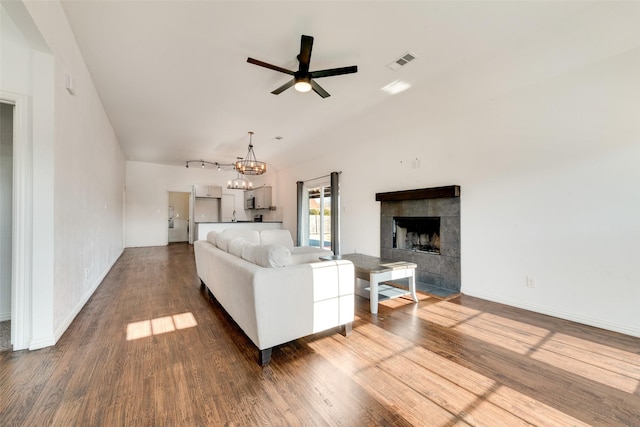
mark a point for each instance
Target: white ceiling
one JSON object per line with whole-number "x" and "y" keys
{"x": 174, "y": 80}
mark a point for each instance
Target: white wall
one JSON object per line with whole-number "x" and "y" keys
{"x": 147, "y": 190}
{"x": 78, "y": 166}
{"x": 547, "y": 155}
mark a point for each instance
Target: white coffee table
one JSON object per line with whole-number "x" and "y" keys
{"x": 375, "y": 271}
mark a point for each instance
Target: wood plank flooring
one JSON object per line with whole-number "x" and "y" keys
{"x": 150, "y": 348}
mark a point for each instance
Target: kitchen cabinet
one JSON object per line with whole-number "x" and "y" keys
{"x": 227, "y": 208}
{"x": 206, "y": 209}
{"x": 208, "y": 191}
{"x": 262, "y": 197}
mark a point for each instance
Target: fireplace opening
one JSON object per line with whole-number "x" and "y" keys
{"x": 420, "y": 234}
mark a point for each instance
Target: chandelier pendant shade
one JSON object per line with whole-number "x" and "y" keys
{"x": 250, "y": 165}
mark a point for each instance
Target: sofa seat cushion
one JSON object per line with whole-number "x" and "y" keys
{"x": 307, "y": 254}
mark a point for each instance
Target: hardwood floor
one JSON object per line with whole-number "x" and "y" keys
{"x": 149, "y": 348}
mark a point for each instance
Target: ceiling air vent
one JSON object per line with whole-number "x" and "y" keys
{"x": 401, "y": 61}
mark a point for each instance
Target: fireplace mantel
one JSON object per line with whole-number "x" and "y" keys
{"x": 419, "y": 194}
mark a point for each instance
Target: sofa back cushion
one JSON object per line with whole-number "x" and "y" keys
{"x": 222, "y": 241}
{"x": 308, "y": 254}
{"x": 236, "y": 245}
{"x": 251, "y": 236}
{"x": 211, "y": 237}
{"x": 273, "y": 255}
{"x": 281, "y": 237}
{"x": 249, "y": 252}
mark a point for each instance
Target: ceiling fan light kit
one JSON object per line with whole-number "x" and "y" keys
{"x": 303, "y": 78}
{"x": 302, "y": 85}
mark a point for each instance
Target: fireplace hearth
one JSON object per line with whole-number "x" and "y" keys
{"x": 423, "y": 226}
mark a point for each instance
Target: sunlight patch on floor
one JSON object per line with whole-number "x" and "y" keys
{"x": 488, "y": 400}
{"x": 160, "y": 325}
{"x": 620, "y": 374}
{"x": 447, "y": 314}
{"x": 426, "y": 388}
{"x": 588, "y": 359}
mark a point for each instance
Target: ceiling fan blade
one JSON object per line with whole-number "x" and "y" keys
{"x": 284, "y": 87}
{"x": 269, "y": 66}
{"x": 333, "y": 72}
{"x": 318, "y": 89}
{"x": 306, "y": 44}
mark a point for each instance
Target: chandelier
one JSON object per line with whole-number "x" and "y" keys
{"x": 247, "y": 166}
{"x": 239, "y": 183}
{"x": 250, "y": 165}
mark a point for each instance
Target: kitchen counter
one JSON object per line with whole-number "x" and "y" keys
{"x": 240, "y": 222}
{"x": 203, "y": 228}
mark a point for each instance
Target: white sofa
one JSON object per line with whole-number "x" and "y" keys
{"x": 274, "y": 291}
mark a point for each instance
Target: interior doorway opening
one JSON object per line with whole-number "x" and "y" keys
{"x": 6, "y": 223}
{"x": 178, "y": 214}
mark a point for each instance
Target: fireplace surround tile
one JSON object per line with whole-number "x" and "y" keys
{"x": 450, "y": 236}
{"x": 439, "y": 270}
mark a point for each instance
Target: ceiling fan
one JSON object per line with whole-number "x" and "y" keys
{"x": 303, "y": 79}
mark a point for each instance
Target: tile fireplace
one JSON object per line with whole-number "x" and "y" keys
{"x": 423, "y": 226}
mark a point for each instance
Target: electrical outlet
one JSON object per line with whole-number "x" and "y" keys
{"x": 531, "y": 282}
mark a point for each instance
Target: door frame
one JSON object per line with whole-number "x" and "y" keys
{"x": 318, "y": 182}
{"x": 21, "y": 229}
{"x": 189, "y": 214}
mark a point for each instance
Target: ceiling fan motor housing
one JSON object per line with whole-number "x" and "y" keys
{"x": 303, "y": 78}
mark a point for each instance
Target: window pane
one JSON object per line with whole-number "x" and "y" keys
{"x": 319, "y": 217}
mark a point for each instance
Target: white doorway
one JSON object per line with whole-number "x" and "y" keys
{"x": 6, "y": 222}
{"x": 179, "y": 215}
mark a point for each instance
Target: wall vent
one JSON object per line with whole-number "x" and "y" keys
{"x": 401, "y": 61}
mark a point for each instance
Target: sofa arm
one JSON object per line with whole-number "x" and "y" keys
{"x": 300, "y": 300}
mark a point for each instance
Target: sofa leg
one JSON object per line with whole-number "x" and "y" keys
{"x": 264, "y": 356}
{"x": 346, "y": 329}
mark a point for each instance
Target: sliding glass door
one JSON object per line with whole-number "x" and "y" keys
{"x": 319, "y": 230}
{"x": 319, "y": 213}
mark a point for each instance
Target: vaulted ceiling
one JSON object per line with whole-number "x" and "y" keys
{"x": 174, "y": 79}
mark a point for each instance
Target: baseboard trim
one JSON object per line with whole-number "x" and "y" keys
{"x": 5, "y": 316}
{"x": 574, "y": 317}
{"x": 42, "y": 343}
{"x": 64, "y": 325}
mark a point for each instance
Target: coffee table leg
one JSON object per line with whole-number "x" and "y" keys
{"x": 412, "y": 285}
{"x": 373, "y": 293}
